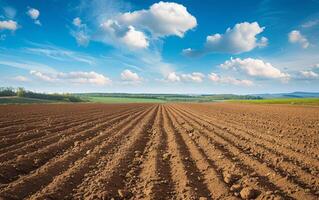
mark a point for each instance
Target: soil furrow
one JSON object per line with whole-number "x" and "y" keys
{"x": 105, "y": 181}
{"x": 235, "y": 173}
{"x": 46, "y": 125}
{"x": 159, "y": 151}
{"x": 41, "y": 121}
{"x": 305, "y": 177}
{"x": 154, "y": 178}
{"x": 46, "y": 174}
{"x": 183, "y": 182}
{"x": 272, "y": 134}
{"x": 209, "y": 175}
{"x": 31, "y": 146}
{"x": 63, "y": 185}
{"x": 46, "y": 132}
{"x": 294, "y": 190}
{"x": 25, "y": 164}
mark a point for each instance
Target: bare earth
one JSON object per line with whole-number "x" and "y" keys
{"x": 159, "y": 151}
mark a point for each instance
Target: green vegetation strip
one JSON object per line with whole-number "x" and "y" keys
{"x": 23, "y": 100}
{"x": 122, "y": 100}
{"x": 297, "y": 101}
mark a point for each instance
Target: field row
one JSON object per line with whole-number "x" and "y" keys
{"x": 159, "y": 151}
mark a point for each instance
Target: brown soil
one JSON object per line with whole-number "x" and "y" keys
{"x": 159, "y": 151}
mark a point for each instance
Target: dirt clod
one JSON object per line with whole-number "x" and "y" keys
{"x": 124, "y": 193}
{"x": 229, "y": 177}
{"x": 249, "y": 193}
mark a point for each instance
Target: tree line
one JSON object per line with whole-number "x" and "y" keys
{"x": 21, "y": 92}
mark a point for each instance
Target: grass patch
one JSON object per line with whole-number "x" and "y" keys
{"x": 122, "y": 100}
{"x": 23, "y": 100}
{"x": 294, "y": 101}
{"x": 156, "y": 98}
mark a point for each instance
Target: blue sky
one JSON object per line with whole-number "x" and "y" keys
{"x": 189, "y": 46}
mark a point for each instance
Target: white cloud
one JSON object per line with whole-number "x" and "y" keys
{"x": 241, "y": 38}
{"x": 161, "y": 19}
{"x": 34, "y": 14}
{"x": 9, "y": 25}
{"x": 135, "y": 39}
{"x": 81, "y": 33}
{"x": 21, "y": 78}
{"x": 27, "y": 65}
{"x": 229, "y": 80}
{"x": 309, "y": 74}
{"x": 78, "y": 77}
{"x": 87, "y": 77}
{"x": 77, "y": 22}
{"x": 296, "y": 37}
{"x": 44, "y": 76}
{"x": 255, "y": 67}
{"x": 118, "y": 34}
{"x": 136, "y": 30}
{"x": 263, "y": 42}
{"x": 82, "y": 38}
{"x": 310, "y": 23}
{"x": 61, "y": 54}
{"x": 172, "y": 77}
{"x": 129, "y": 76}
{"x": 194, "y": 77}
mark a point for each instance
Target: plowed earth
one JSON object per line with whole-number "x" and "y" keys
{"x": 159, "y": 151}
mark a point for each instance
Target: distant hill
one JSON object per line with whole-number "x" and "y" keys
{"x": 126, "y": 97}
{"x": 290, "y": 95}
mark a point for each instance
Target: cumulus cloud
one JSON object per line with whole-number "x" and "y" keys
{"x": 309, "y": 74}
{"x": 296, "y": 37}
{"x": 77, "y": 22}
{"x": 78, "y": 77}
{"x": 81, "y": 33}
{"x": 228, "y": 80}
{"x": 255, "y": 67}
{"x": 135, "y": 39}
{"x": 172, "y": 77}
{"x": 161, "y": 19}
{"x": 129, "y": 76}
{"x": 263, "y": 42}
{"x": 8, "y": 25}
{"x": 241, "y": 38}
{"x": 44, "y": 76}
{"x": 82, "y": 38}
{"x": 21, "y": 78}
{"x": 137, "y": 29}
{"x": 193, "y": 77}
{"x": 34, "y": 14}
{"x": 128, "y": 36}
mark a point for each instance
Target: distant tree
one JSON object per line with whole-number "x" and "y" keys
{"x": 7, "y": 91}
{"x": 21, "y": 92}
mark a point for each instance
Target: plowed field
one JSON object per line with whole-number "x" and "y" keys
{"x": 159, "y": 151}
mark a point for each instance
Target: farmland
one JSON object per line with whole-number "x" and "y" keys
{"x": 159, "y": 151}
{"x": 294, "y": 101}
{"x": 22, "y": 100}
